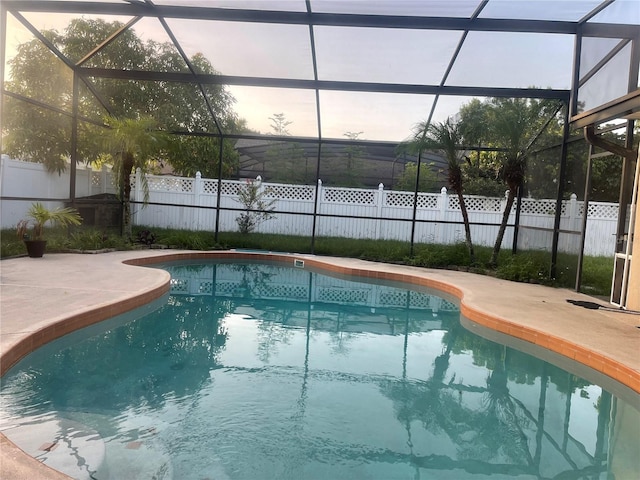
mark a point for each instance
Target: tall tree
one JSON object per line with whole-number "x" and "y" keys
{"x": 36, "y": 73}
{"x": 43, "y": 135}
{"x": 353, "y": 156}
{"x": 285, "y": 158}
{"x": 513, "y": 125}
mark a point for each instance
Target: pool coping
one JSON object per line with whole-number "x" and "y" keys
{"x": 605, "y": 341}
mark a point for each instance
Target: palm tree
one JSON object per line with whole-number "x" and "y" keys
{"x": 513, "y": 123}
{"x": 132, "y": 143}
{"x": 446, "y": 138}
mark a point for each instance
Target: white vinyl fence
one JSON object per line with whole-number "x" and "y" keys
{"x": 20, "y": 179}
{"x": 388, "y": 213}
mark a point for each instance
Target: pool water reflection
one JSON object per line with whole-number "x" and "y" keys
{"x": 268, "y": 372}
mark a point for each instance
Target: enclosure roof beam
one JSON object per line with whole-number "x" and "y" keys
{"x": 626, "y": 107}
{"x": 324, "y": 19}
{"x": 207, "y": 79}
{"x": 46, "y": 106}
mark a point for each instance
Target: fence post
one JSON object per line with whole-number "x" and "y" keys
{"x": 89, "y": 171}
{"x": 573, "y": 212}
{"x": 2, "y": 172}
{"x": 318, "y": 208}
{"x": 137, "y": 196}
{"x": 443, "y": 203}
{"x": 379, "y": 205}
{"x": 197, "y": 200}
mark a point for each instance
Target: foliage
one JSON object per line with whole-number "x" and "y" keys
{"x": 284, "y": 158}
{"x": 59, "y": 239}
{"x": 478, "y": 184}
{"x": 440, "y": 256}
{"x": 95, "y": 239}
{"x": 376, "y": 250}
{"x": 189, "y": 155}
{"x": 446, "y": 138}
{"x": 257, "y": 208}
{"x": 186, "y": 240}
{"x": 596, "y": 276}
{"x": 524, "y": 267}
{"x": 407, "y": 181}
{"x": 39, "y": 134}
{"x": 133, "y": 143}
{"x": 351, "y": 161}
{"x": 38, "y": 216}
{"x": 145, "y": 237}
{"x": 510, "y": 126}
{"x": 279, "y": 124}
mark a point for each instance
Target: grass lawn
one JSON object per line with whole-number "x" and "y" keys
{"x": 529, "y": 266}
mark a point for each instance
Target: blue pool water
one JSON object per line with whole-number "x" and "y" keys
{"x": 250, "y": 371}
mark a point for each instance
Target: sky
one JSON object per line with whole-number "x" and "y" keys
{"x": 487, "y": 59}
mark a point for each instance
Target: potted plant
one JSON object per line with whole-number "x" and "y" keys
{"x": 31, "y": 229}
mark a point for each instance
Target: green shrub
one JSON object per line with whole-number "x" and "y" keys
{"x": 186, "y": 240}
{"x": 440, "y": 256}
{"x": 524, "y": 267}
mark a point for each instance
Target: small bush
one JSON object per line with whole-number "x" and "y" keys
{"x": 145, "y": 237}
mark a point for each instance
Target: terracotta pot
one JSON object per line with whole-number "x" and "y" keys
{"x": 35, "y": 248}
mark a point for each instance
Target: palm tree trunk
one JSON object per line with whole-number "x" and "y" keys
{"x": 503, "y": 226}
{"x": 467, "y": 227}
{"x": 127, "y": 168}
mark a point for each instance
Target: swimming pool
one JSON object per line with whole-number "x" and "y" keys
{"x": 264, "y": 371}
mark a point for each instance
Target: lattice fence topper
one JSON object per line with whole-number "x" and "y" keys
{"x": 477, "y": 203}
{"x": 96, "y": 179}
{"x": 341, "y": 295}
{"x": 205, "y": 288}
{"x": 602, "y": 210}
{"x": 287, "y": 291}
{"x": 427, "y": 200}
{"x": 231, "y": 188}
{"x": 398, "y": 298}
{"x": 210, "y": 187}
{"x": 225, "y": 288}
{"x": 405, "y": 199}
{"x": 178, "y": 285}
{"x": 291, "y": 192}
{"x": 398, "y": 199}
{"x": 170, "y": 184}
{"x": 538, "y": 207}
{"x": 353, "y": 196}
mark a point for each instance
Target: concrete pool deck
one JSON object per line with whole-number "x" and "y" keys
{"x": 43, "y": 299}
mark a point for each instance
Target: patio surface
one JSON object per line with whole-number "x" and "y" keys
{"x": 42, "y": 299}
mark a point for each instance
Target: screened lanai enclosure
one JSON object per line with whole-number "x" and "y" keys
{"x": 335, "y": 106}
